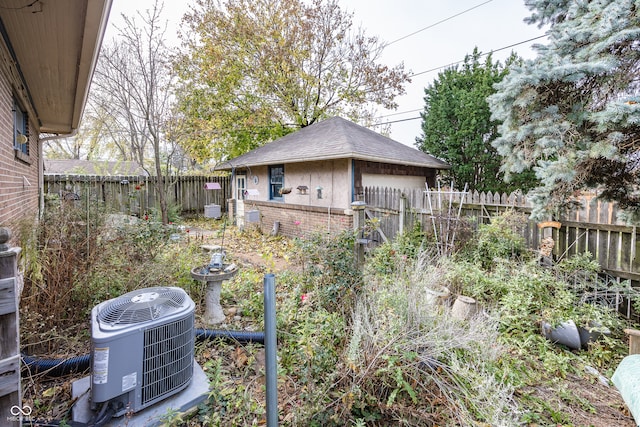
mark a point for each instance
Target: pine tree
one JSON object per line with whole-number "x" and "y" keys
{"x": 457, "y": 126}
{"x": 572, "y": 114}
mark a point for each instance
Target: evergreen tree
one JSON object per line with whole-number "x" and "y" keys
{"x": 457, "y": 125}
{"x": 572, "y": 114}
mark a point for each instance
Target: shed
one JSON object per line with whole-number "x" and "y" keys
{"x": 308, "y": 179}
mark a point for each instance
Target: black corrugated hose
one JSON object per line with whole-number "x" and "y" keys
{"x": 62, "y": 367}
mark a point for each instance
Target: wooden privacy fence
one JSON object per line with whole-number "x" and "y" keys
{"x": 10, "y": 287}
{"x": 136, "y": 195}
{"x": 594, "y": 227}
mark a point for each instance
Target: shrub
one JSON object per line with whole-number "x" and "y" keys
{"x": 58, "y": 252}
{"x": 501, "y": 238}
{"x": 80, "y": 256}
{"x": 392, "y": 257}
{"x": 330, "y": 269}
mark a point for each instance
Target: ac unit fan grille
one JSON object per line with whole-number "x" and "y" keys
{"x": 142, "y": 306}
{"x": 167, "y": 358}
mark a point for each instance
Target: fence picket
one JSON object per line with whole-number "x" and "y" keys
{"x": 135, "y": 195}
{"x": 593, "y": 227}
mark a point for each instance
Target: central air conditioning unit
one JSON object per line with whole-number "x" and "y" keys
{"x": 142, "y": 348}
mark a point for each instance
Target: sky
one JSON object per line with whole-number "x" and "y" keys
{"x": 424, "y": 35}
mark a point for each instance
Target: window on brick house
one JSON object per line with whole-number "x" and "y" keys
{"x": 20, "y": 130}
{"x": 276, "y": 181}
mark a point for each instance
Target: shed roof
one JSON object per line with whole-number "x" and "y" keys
{"x": 335, "y": 138}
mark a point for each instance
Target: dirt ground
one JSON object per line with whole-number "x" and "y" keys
{"x": 592, "y": 404}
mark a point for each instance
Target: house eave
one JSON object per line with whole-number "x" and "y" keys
{"x": 379, "y": 159}
{"x": 53, "y": 49}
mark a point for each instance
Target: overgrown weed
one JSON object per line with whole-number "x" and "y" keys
{"x": 78, "y": 256}
{"x": 368, "y": 347}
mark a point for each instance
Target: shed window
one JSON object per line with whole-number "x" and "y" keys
{"x": 276, "y": 181}
{"x": 20, "y": 130}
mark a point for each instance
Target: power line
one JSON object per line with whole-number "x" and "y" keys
{"x": 484, "y": 54}
{"x": 396, "y": 121}
{"x": 436, "y": 23}
{"x": 438, "y": 68}
{"x": 399, "y": 113}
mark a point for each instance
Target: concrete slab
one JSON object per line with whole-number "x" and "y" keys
{"x": 184, "y": 401}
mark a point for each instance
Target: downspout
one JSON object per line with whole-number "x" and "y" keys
{"x": 41, "y": 142}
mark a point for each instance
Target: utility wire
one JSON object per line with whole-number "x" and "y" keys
{"x": 436, "y": 23}
{"x": 396, "y": 121}
{"x": 483, "y": 54}
{"x": 399, "y": 113}
{"x": 439, "y": 68}
{"x": 461, "y": 61}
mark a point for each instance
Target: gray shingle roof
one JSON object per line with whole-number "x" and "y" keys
{"x": 335, "y": 138}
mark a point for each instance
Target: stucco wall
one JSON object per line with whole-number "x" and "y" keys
{"x": 19, "y": 178}
{"x": 391, "y": 181}
{"x": 333, "y": 176}
{"x": 298, "y": 212}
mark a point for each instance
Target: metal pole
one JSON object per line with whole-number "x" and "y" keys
{"x": 358, "y": 225}
{"x": 270, "y": 347}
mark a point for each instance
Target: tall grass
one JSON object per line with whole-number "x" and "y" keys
{"x": 412, "y": 359}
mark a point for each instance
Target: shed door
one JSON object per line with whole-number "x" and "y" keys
{"x": 241, "y": 186}
{"x": 241, "y": 189}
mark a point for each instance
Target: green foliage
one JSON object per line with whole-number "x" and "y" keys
{"x": 172, "y": 418}
{"x": 457, "y": 125}
{"x": 499, "y": 239}
{"x": 391, "y": 257}
{"x": 59, "y": 251}
{"x": 570, "y": 115}
{"x": 83, "y": 256}
{"x": 581, "y": 264}
{"x": 173, "y": 213}
{"x": 403, "y": 347}
{"x": 145, "y": 239}
{"x": 231, "y": 401}
{"x": 254, "y": 71}
{"x": 311, "y": 352}
{"x": 520, "y": 295}
{"x": 330, "y": 269}
{"x": 372, "y": 347}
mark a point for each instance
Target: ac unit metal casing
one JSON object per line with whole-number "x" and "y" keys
{"x": 142, "y": 348}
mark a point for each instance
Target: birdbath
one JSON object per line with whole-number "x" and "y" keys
{"x": 213, "y": 277}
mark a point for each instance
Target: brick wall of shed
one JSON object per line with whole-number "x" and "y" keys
{"x": 300, "y": 220}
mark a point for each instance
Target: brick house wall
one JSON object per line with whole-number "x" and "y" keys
{"x": 299, "y": 220}
{"x": 19, "y": 173}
